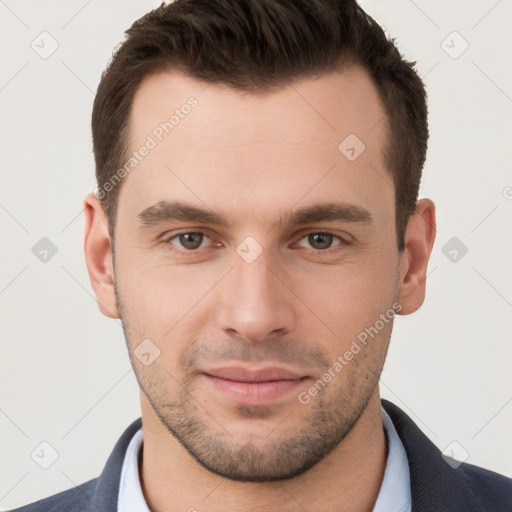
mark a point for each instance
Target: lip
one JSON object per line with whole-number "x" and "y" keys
{"x": 241, "y": 374}
{"x": 254, "y": 386}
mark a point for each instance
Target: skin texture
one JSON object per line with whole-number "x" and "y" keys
{"x": 299, "y": 305}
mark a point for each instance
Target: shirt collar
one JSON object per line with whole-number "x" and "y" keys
{"x": 394, "y": 494}
{"x": 131, "y": 498}
{"x": 395, "y": 490}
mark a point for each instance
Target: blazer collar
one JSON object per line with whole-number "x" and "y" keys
{"x": 106, "y": 491}
{"x": 435, "y": 485}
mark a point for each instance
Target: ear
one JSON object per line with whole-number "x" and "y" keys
{"x": 98, "y": 256}
{"x": 419, "y": 240}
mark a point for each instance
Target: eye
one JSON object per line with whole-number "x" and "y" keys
{"x": 187, "y": 242}
{"x": 321, "y": 241}
{"x": 190, "y": 242}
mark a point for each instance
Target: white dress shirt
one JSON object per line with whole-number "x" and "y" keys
{"x": 394, "y": 494}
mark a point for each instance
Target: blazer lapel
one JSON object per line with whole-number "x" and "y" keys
{"x": 105, "y": 493}
{"x": 435, "y": 485}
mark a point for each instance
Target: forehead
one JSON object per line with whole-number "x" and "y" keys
{"x": 212, "y": 142}
{"x": 334, "y": 104}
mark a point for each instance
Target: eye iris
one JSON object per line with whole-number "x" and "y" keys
{"x": 320, "y": 240}
{"x": 317, "y": 240}
{"x": 191, "y": 240}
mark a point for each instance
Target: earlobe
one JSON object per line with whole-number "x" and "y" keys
{"x": 419, "y": 240}
{"x": 98, "y": 256}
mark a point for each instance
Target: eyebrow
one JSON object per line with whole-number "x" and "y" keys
{"x": 166, "y": 211}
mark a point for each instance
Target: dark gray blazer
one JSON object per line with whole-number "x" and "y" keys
{"x": 435, "y": 485}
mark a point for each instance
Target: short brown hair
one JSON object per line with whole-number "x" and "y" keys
{"x": 258, "y": 45}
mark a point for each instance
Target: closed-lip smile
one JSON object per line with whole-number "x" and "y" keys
{"x": 253, "y": 386}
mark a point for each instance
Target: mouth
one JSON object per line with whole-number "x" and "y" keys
{"x": 254, "y": 387}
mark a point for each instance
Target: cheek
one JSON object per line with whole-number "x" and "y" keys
{"x": 160, "y": 299}
{"x": 348, "y": 298}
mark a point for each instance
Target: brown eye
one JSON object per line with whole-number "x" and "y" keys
{"x": 187, "y": 242}
{"x": 190, "y": 241}
{"x": 320, "y": 240}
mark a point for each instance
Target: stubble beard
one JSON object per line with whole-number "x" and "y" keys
{"x": 329, "y": 418}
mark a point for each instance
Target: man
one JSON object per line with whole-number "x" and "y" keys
{"x": 257, "y": 228}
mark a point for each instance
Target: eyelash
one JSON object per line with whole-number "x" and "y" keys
{"x": 184, "y": 252}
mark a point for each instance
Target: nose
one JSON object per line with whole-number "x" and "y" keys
{"x": 256, "y": 301}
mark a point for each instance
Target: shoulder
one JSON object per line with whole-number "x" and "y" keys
{"x": 492, "y": 490}
{"x": 95, "y": 495}
{"x": 443, "y": 485}
{"x": 76, "y": 499}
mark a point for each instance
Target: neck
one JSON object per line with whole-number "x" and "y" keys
{"x": 346, "y": 480}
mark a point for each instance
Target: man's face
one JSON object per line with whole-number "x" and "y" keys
{"x": 249, "y": 312}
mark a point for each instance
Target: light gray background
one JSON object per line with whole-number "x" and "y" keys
{"x": 65, "y": 374}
